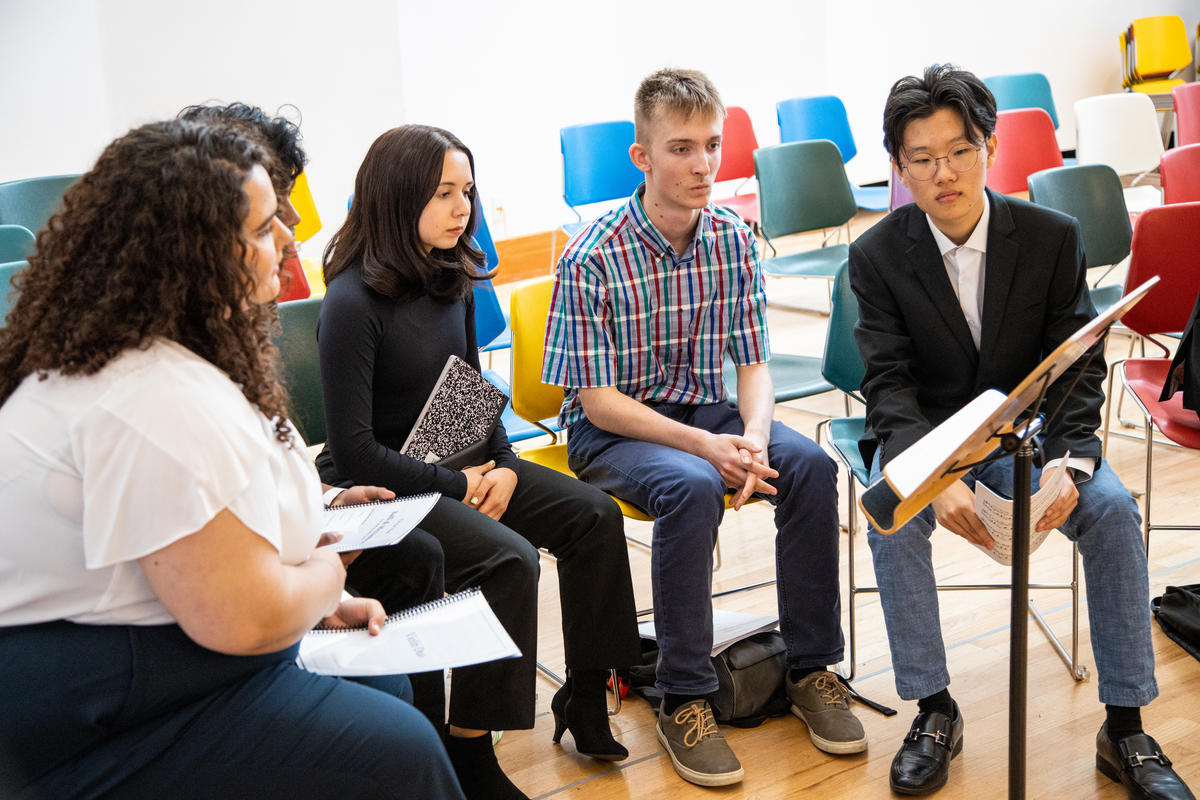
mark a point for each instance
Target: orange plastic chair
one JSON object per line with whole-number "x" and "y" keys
{"x": 1187, "y": 113}
{"x": 738, "y": 144}
{"x": 1179, "y": 173}
{"x": 1165, "y": 242}
{"x": 1025, "y": 144}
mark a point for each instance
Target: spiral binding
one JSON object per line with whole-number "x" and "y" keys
{"x": 432, "y": 605}
{"x": 380, "y": 502}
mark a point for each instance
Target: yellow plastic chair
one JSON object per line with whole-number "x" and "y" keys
{"x": 306, "y": 207}
{"x": 1158, "y": 51}
{"x": 533, "y": 400}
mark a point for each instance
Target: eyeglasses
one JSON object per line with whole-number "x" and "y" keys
{"x": 962, "y": 158}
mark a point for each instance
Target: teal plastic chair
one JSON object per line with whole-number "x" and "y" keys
{"x": 1092, "y": 194}
{"x": 793, "y": 377}
{"x": 802, "y": 186}
{"x": 842, "y": 366}
{"x": 806, "y": 118}
{"x": 31, "y": 202}
{"x": 1023, "y": 90}
{"x": 16, "y": 243}
{"x": 301, "y": 359}
{"x": 8, "y": 296}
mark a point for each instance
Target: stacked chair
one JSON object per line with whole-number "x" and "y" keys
{"x": 1154, "y": 50}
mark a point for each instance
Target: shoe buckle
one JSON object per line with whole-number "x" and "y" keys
{"x": 1133, "y": 760}
{"x": 939, "y": 737}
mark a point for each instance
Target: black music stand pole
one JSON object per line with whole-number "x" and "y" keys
{"x": 1019, "y": 627}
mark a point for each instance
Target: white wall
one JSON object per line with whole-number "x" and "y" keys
{"x": 506, "y": 76}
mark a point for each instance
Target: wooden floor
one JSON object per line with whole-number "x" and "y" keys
{"x": 779, "y": 759}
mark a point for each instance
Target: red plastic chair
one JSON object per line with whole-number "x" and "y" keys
{"x": 293, "y": 282}
{"x": 1179, "y": 173}
{"x": 1025, "y": 144}
{"x": 738, "y": 144}
{"x": 1166, "y": 241}
{"x": 1187, "y": 113}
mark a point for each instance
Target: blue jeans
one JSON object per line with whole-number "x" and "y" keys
{"x": 1107, "y": 528}
{"x": 686, "y": 497}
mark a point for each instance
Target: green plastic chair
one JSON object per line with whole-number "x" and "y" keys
{"x": 1092, "y": 194}
{"x": 16, "y": 243}
{"x": 802, "y": 186}
{"x": 302, "y": 366}
{"x": 8, "y": 297}
{"x": 793, "y": 377}
{"x": 31, "y": 202}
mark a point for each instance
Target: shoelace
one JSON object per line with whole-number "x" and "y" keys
{"x": 833, "y": 691}
{"x": 701, "y": 718}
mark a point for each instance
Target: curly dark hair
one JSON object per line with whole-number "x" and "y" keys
{"x": 278, "y": 134}
{"x": 397, "y": 179}
{"x": 148, "y": 245}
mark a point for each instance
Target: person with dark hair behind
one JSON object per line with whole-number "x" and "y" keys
{"x": 399, "y": 274}
{"x": 399, "y": 577}
{"x": 961, "y": 291}
{"x": 159, "y": 562}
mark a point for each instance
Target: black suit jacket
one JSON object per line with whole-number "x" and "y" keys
{"x": 1187, "y": 354}
{"x": 921, "y": 364}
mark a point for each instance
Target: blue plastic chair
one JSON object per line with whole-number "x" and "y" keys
{"x": 805, "y": 118}
{"x": 491, "y": 323}
{"x": 8, "y": 297}
{"x": 596, "y": 168}
{"x": 16, "y": 243}
{"x": 31, "y": 202}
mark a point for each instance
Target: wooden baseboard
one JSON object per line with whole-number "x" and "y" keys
{"x": 525, "y": 257}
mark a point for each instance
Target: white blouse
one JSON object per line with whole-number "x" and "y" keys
{"x": 98, "y": 471}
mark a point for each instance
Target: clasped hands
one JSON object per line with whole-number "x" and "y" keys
{"x": 955, "y": 510}
{"x": 741, "y": 462}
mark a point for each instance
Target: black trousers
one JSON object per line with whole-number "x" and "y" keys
{"x": 578, "y": 524}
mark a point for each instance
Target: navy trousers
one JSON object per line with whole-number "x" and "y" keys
{"x": 686, "y": 496}
{"x": 134, "y": 712}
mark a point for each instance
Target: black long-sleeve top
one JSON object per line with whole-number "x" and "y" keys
{"x": 379, "y": 360}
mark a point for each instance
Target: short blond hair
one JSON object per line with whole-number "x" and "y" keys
{"x": 686, "y": 92}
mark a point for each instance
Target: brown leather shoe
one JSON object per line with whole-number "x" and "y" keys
{"x": 1141, "y": 766}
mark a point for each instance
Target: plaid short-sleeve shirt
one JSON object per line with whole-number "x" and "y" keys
{"x": 629, "y": 312}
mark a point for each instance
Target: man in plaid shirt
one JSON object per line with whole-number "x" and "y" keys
{"x": 647, "y": 302}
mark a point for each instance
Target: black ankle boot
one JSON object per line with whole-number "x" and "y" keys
{"x": 478, "y": 772}
{"x": 581, "y": 707}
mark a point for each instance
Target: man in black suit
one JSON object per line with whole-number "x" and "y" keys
{"x": 962, "y": 291}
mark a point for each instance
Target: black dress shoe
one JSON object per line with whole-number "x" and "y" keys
{"x": 1140, "y": 764}
{"x": 923, "y": 763}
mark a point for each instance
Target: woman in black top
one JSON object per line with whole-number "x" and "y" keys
{"x": 399, "y": 274}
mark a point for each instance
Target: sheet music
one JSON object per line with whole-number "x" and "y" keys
{"x": 366, "y": 525}
{"x": 728, "y": 627}
{"x": 455, "y": 631}
{"x": 996, "y": 514}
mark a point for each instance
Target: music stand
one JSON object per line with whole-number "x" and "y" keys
{"x": 914, "y": 478}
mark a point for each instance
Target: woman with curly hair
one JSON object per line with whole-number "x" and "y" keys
{"x": 398, "y": 303}
{"x": 158, "y": 562}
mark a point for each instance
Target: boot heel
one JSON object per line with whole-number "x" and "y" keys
{"x": 560, "y": 726}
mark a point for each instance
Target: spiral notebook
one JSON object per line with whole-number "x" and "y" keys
{"x": 455, "y": 631}
{"x": 365, "y": 525}
{"x": 458, "y": 418}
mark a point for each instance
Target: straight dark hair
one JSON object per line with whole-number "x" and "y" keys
{"x": 397, "y": 179}
{"x": 942, "y": 86}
